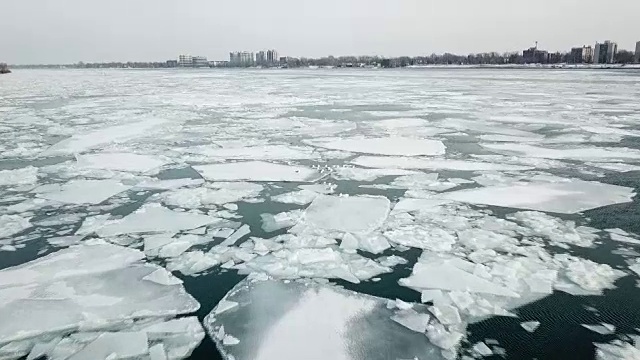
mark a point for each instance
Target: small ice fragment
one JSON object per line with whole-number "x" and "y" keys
{"x": 482, "y": 349}
{"x": 156, "y": 352}
{"x": 230, "y": 340}
{"x": 243, "y": 231}
{"x": 162, "y": 277}
{"x": 446, "y": 314}
{"x": 430, "y": 295}
{"x": 412, "y": 320}
{"x": 120, "y": 345}
{"x": 530, "y": 326}
{"x": 602, "y": 329}
{"x": 224, "y": 305}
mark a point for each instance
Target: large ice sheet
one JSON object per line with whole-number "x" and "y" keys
{"x": 257, "y": 171}
{"x": 363, "y": 174}
{"x": 266, "y": 152}
{"x": 584, "y": 153}
{"x": 305, "y": 320}
{"x": 120, "y": 161}
{"x": 83, "y": 191}
{"x": 433, "y": 164}
{"x": 27, "y": 175}
{"x": 91, "y": 287}
{"x": 117, "y": 133}
{"x": 352, "y": 214}
{"x": 403, "y": 146}
{"x": 154, "y": 218}
{"x": 567, "y": 197}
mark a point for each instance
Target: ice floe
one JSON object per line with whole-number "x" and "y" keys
{"x": 306, "y": 320}
{"x": 94, "y": 301}
{"x": 399, "y": 146}
{"x": 154, "y": 218}
{"x": 13, "y": 224}
{"x": 82, "y": 191}
{"x": 433, "y": 164}
{"x": 120, "y": 162}
{"x": 619, "y": 350}
{"x": 266, "y": 152}
{"x": 257, "y": 171}
{"x": 583, "y": 153}
{"x": 364, "y": 174}
{"x": 563, "y": 197}
{"x": 27, "y": 175}
{"x": 113, "y": 134}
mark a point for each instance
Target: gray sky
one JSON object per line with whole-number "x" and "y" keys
{"x": 67, "y": 31}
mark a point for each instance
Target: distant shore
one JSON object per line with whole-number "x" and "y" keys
{"x": 439, "y": 66}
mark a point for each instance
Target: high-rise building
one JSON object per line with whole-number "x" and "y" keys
{"x": 637, "y": 55}
{"x": 200, "y": 61}
{"x": 587, "y": 54}
{"x": 272, "y": 57}
{"x": 605, "y": 53}
{"x": 535, "y": 56}
{"x": 185, "y": 60}
{"x": 261, "y": 58}
{"x": 241, "y": 58}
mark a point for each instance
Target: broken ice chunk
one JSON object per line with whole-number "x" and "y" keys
{"x": 257, "y": 171}
{"x": 24, "y": 176}
{"x": 83, "y": 191}
{"x": 602, "y": 329}
{"x": 154, "y": 218}
{"x": 433, "y": 164}
{"x": 13, "y": 224}
{"x": 567, "y": 197}
{"x": 382, "y": 146}
{"x": 482, "y": 349}
{"x": 353, "y": 214}
{"x": 530, "y": 326}
{"x": 412, "y": 320}
{"x": 239, "y": 234}
{"x": 119, "y": 161}
{"x": 122, "y": 345}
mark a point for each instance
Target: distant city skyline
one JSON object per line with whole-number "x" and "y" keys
{"x": 67, "y": 31}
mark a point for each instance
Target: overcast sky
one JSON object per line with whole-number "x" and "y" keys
{"x": 67, "y": 31}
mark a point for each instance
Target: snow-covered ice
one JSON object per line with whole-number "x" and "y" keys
{"x": 113, "y": 134}
{"x": 257, "y": 171}
{"x": 398, "y": 146}
{"x": 26, "y": 175}
{"x": 94, "y": 287}
{"x": 119, "y": 161}
{"x": 582, "y": 153}
{"x": 154, "y": 218}
{"x": 306, "y": 320}
{"x": 82, "y": 191}
{"x": 567, "y": 197}
{"x": 433, "y": 164}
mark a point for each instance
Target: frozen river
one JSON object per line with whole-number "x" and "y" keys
{"x": 319, "y": 214}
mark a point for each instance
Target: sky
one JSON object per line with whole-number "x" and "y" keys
{"x": 68, "y": 31}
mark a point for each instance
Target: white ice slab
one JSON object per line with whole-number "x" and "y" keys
{"x": 120, "y": 161}
{"x": 305, "y": 320}
{"x": 27, "y": 175}
{"x": 530, "y": 326}
{"x": 354, "y": 214}
{"x": 117, "y": 133}
{"x": 399, "y": 146}
{"x": 83, "y": 191}
{"x": 169, "y": 184}
{"x": 257, "y": 171}
{"x": 583, "y": 153}
{"x": 567, "y": 197}
{"x": 95, "y": 286}
{"x": 445, "y": 275}
{"x": 434, "y": 164}
{"x": 265, "y": 152}
{"x": 13, "y": 224}
{"x": 154, "y": 218}
{"x": 363, "y": 174}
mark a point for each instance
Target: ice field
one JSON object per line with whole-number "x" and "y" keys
{"x": 320, "y": 214}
